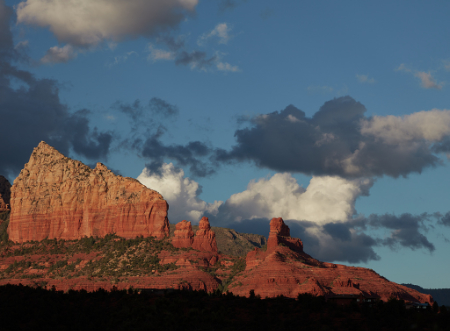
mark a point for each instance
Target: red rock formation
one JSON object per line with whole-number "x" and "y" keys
{"x": 183, "y": 236}
{"x": 281, "y": 234}
{"x": 205, "y": 238}
{"x": 5, "y": 193}
{"x": 284, "y": 271}
{"x": 57, "y": 197}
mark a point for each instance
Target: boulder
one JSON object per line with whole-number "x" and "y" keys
{"x": 5, "y": 194}
{"x": 57, "y": 197}
{"x": 205, "y": 238}
{"x": 183, "y": 235}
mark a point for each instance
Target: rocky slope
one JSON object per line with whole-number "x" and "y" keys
{"x": 57, "y": 197}
{"x": 286, "y": 270}
{"x": 5, "y": 194}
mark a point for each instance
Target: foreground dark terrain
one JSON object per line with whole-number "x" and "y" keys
{"x": 26, "y": 308}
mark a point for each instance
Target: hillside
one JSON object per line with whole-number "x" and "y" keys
{"x": 440, "y": 295}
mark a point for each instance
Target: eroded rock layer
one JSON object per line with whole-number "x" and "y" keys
{"x": 57, "y": 197}
{"x": 5, "y": 193}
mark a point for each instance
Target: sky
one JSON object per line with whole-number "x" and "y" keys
{"x": 332, "y": 115}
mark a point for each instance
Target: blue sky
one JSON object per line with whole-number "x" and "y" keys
{"x": 216, "y": 105}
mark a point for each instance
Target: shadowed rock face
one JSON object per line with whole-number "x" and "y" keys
{"x": 5, "y": 193}
{"x": 57, "y": 197}
{"x": 183, "y": 236}
{"x": 205, "y": 238}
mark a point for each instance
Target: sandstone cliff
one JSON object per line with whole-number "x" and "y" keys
{"x": 57, "y": 197}
{"x": 5, "y": 193}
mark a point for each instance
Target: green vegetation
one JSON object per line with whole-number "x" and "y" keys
{"x": 110, "y": 256}
{"x": 238, "y": 266}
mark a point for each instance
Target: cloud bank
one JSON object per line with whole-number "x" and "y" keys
{"x": 339, "y": 140}
{"x": 323, "y": 214}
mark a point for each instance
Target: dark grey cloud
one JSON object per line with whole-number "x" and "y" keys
{"x": 134, "y": 110}
{"x": 31, "y": 111}
{"x": 160, "y": 107}
{"x": 225, "y": 5}
{"x": 406, "y": 230}
{"x": 189, "y": 155}
{"x": 329, "y": 143}
{"x": 445, "y": 220}
{"x": 138, "y": 112}
{"x": 195, "y": 59}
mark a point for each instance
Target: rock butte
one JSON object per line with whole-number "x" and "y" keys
{"x": 183, "y": 235}
{"x": 286, "y": 270}
{"x": 57, "y": 197}
{"x": 5, "y": 193}
{"x": 204, "y": 240}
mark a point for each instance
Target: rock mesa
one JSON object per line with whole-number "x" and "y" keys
{"x": 57, "y": 197}
{"x": 5, "y": 193}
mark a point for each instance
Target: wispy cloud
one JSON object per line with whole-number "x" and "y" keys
{"x": 221, "y": 32}
{"x": 426, "y": 78}
{"x": 156, "y": 54}
{"x": 365, "y": 79}
{"x": 59, "y": 55}
{"x": 121, "y": 58}
{"x": 428, "y": 81}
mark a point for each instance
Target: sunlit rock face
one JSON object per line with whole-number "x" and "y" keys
{"x": 57, "y": 197}
{"x": 281, "y": 234}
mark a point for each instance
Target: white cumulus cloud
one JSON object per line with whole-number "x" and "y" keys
{"x": 432, "y": 125}
{"x": 326, "y": 199}
{"x": 180, "y": 192}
